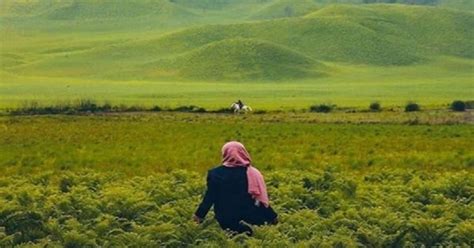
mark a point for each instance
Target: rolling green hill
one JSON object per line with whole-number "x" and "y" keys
{"x": 88, "y": 9}
{"x": 378, "y": 35}
{"x": 93, "y": 9}
{"x": 73, "y": 9}
{"x": 246, "y": 59}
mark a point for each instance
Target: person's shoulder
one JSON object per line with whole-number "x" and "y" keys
{"x": 216, "y": 169}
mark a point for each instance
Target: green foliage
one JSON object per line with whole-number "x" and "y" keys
{"x": 321, "y": 108}
{"x": 332, "y": 184}
{"x": 458, "y": 106}
{"x": 412, "y": 107}
{"x": 89, "y": 106}
{"x": 156, "y": 209}
{"x": 147, "y": 141}
{"x": 429, "y": 232}
{"x": 81, "y": 106}
{"x": 375, "y": 107}
{"x": 463, "y": 232}
{"x": 25, "y": 226}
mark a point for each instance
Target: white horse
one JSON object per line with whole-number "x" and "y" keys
{"x": 237, "y": 109}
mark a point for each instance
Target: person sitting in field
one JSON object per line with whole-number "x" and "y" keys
{"x": 238, "y": 192}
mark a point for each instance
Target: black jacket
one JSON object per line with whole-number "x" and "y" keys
{"x": 227, "y": 190}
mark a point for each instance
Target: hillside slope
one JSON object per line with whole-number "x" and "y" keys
{"x": 244, "y": 59}
{"x": 375, "y": 35}
{"x": 73, "y": 9}
{"x": 87, "y": 9}
{"x": 285, "y": 8}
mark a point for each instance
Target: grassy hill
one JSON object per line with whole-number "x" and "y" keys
{"x": 244, "y": 59}
{"x": 434, "y": 30}
{"x": 93, "y": 9}
{"x": 97, "y": 9}
{"x": 467, "y": 5}
{"x": 378, "y": 35}
{"x": 88, "y": 9}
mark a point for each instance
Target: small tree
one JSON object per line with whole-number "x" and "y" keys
{"x": 458, "y": 106}
{"x": 375, "y": 107}
{"x": 412, "y": 107}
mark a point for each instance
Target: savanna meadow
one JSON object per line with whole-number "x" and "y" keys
{"x": 112, "y": 112}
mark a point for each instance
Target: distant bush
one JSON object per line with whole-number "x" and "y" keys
{"x": 412, "y": 107}
{"x": 90, "y": 106}
{"x": 375, "y": 107}
{"x": 321, "y": 108}
{"x": 82, "y": 106}
{"x": 458, "y": 106}
{"x": 156, "y": 108}
{"x": 134, "y": 108}
{"x": 87, "y": 105}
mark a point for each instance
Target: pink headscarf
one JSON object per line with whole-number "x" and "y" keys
{"x": 234, "y": 154}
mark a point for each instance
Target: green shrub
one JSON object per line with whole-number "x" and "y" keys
{"x": 156, "y": 108}
{"x": 104, "y": 188}
{"x": 458, "y": 106}
{"x": 412, "y": 107}
{"x": 26, "y": 226}
{"x": 134, "y": 108}
{"x": 65, "y": 184}
{"x": 74, "y": 239}
{"x": 375, "y": 107}
{"x": 87, "y": 106}
{"x": 314, "y": 206}
{"x": 429, "y": 232}
{"x": 321, "y": 108}
{"x": 463, "y": 233}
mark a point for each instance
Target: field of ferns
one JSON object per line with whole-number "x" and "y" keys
{"x": 135, "y": 180}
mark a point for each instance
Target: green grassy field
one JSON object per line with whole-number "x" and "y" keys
{"x": 136, "y": 179}
{"x": 293, "y": 141}
{"x": 432, "y": 85}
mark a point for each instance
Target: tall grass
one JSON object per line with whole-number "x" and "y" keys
{"x": 135, "y": 180}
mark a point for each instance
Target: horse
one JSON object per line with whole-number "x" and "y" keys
{"x": 237, "y": 109}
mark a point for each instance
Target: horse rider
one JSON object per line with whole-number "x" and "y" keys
{"x": 240, "y": 103}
